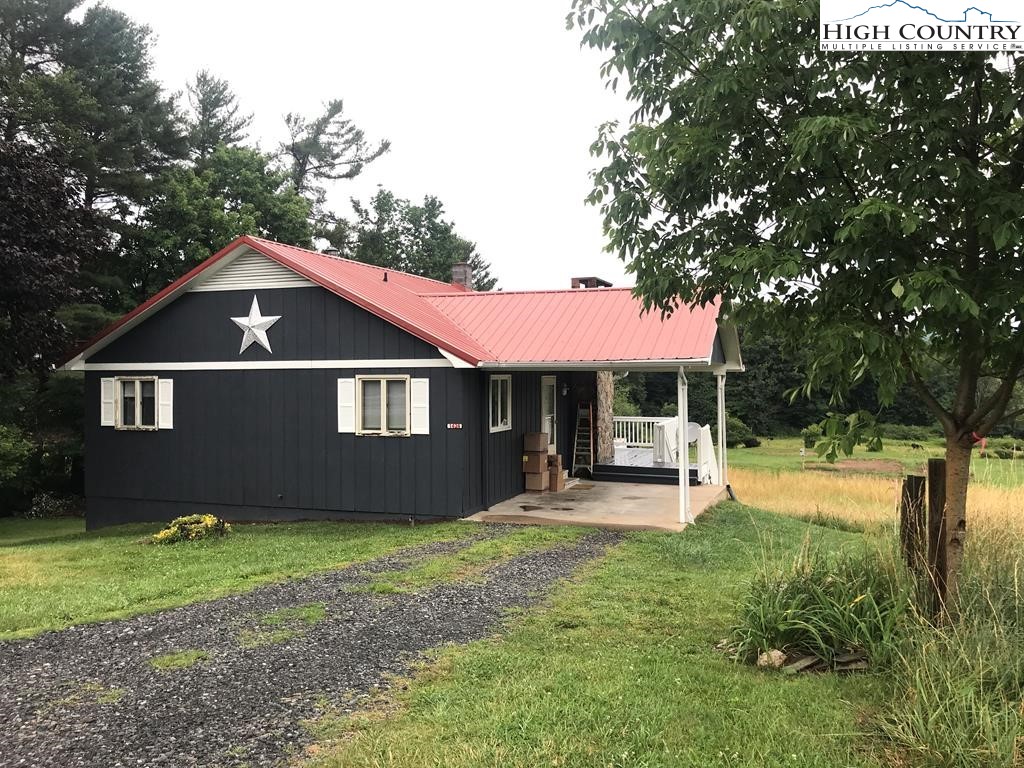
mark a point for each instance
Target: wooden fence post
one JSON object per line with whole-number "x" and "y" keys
{"x": 913, "y": 523}
{"x": 937, "y": 532}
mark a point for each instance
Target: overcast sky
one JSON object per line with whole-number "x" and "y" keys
{"x": 489, "y": 106}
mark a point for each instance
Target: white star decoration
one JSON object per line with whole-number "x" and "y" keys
{"x": 255, "y": 327}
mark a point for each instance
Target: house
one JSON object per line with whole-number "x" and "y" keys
{"x": 277, "y": 383}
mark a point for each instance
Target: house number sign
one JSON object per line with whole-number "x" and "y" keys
{"x": 454, "y": 426}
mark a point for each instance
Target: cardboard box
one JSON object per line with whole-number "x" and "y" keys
{"x": 537, "y": 481}
{"x": 535, "y": 462}
{"x": 554, "y": 461}
{"x": 535, "y": 441}
{"x": 556, "y": 480}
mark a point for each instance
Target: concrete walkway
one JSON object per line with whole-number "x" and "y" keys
{"x": 622, "y": 506}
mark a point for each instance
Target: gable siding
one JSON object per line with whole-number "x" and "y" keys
{"x": 315, "y": 325}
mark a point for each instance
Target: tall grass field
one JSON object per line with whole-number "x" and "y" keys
{"x": 957, "y": 683}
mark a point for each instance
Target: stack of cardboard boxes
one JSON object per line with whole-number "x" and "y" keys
{"x": 543, "y": 471}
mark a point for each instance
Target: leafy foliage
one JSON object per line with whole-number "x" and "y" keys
{"x": 191, "y": 528}
{"x": 393, "y": 232}
{"x": 217, "y": 119}
{"x": 775, "y": 177}
{"x": 326, "y": 148}
{"x": 43, "y": 237}
{"x": 824, "y": 605}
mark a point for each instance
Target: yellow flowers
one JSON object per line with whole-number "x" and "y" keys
{"x": 191, "y": 528}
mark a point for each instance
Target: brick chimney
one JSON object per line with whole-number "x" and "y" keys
{"x": 590, "y": 282}
{"x": 462, "y": 274}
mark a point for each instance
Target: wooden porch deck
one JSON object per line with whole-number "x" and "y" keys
{"x": 639, "y": 457}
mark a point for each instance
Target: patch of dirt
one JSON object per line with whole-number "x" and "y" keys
{"x": 869, "y": 466}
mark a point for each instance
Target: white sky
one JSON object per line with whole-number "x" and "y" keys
{"x": 491, "y": 107}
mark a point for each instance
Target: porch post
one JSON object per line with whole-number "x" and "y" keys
{"x": 721, "y": 427}
{"x": 683, "y": 460}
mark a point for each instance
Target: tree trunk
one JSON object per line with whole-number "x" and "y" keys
{"x": 958, "y": 470}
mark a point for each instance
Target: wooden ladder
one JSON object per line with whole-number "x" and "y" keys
{"x": 583, "y": 448}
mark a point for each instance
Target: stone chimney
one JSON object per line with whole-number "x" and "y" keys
{"x": 590, "y": 282}
{"x": 462, "y": 274}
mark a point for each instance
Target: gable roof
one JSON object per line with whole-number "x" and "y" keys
{"x": 476, "y": 329}
{"x": 580, "y": 325}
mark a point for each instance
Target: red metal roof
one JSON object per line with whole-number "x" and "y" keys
{"x": 579, "y": 325}
{"x": 494, "y": 328}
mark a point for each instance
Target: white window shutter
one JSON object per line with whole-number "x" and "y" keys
{"x": 108, "y": 398}
{"x": 165, "y": 403}
{"x": 347, "y": 405}
{"x": 420, "y": 421}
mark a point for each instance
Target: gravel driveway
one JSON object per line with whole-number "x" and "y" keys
{"x": 89, "y": 696}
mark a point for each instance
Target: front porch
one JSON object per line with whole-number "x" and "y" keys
{"x": 619, "y": 505}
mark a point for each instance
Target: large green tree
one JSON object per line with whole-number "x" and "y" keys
{"x": 195, "y": 212}
{"x": 393, "y": 232}
{"x": 216, "y": 117}
{"x": 326, "y": 148}
{"x": 43, "y": 237}
{"x": 866, "y": 208}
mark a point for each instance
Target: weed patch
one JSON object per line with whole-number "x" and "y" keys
{"x": 471, "y": 563}
{"x": 179, "y": 659}
{"x": 282, "y": 625}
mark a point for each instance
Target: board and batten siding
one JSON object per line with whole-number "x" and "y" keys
{"x": 264, "y": 444}
{"x": 315, "y": 325}
{"x": 503, "y": 451}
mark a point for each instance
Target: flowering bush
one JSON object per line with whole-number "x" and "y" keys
{"x": 191, "y": 528}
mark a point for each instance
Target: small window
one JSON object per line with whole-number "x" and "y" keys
{"x": 383, "y": 405}
{"x": 501, "y": 403}
{"x": 136, "y": 404}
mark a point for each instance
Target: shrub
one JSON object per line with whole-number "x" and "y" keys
{"x": 736, "y": 432}
{"x": 912, "y": 432}
{"x": 811, "y": 435}
{"x": 49, "y": 505}
{"x": 14, "y": 452}
{"x": 751, "y": 442}
{"x": 191, "y": 528}
{"x": 825, "y": 605}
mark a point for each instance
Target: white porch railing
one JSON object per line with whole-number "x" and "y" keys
{"x": 637, "y": 431}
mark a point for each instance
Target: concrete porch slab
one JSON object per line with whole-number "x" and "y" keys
{"x": 622, "y": 506}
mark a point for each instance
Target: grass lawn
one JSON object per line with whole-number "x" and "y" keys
{"x": 620, "y": 670}
{"x": 54, "y": 574}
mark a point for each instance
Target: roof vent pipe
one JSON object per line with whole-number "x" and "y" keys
{"x": 462, "y": 274}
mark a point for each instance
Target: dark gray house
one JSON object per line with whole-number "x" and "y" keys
{"x": 276, "y": 383}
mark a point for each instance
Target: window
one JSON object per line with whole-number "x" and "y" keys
{"x": 501, "y": 403}
{"x": 383, "y": 405}
{"x": 136, "y": 404}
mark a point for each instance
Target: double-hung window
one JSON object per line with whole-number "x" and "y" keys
{"x": 136, "y": 403}
{"x": 383, "y": 405}
{"x": 501, "y": 403}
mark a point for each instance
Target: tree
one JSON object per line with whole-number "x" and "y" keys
{"x": 392, "y": 232}
{"x": 31, "y": 36}
{"x": 327, "y": 148}
{"x": 109, "y": 114}
{"x": 197, "y": 211}
{"x": 865, "y": 209}
{"x": 216, "y": 117}
{"x": 43, "y": 236}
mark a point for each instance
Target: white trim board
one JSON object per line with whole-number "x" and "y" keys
{"x": 269, "y": 365}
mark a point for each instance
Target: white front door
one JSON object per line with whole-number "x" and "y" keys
{"x": 549, "y": 409}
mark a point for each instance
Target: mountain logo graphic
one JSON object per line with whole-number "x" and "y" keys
{"x": 911, "y": 6}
